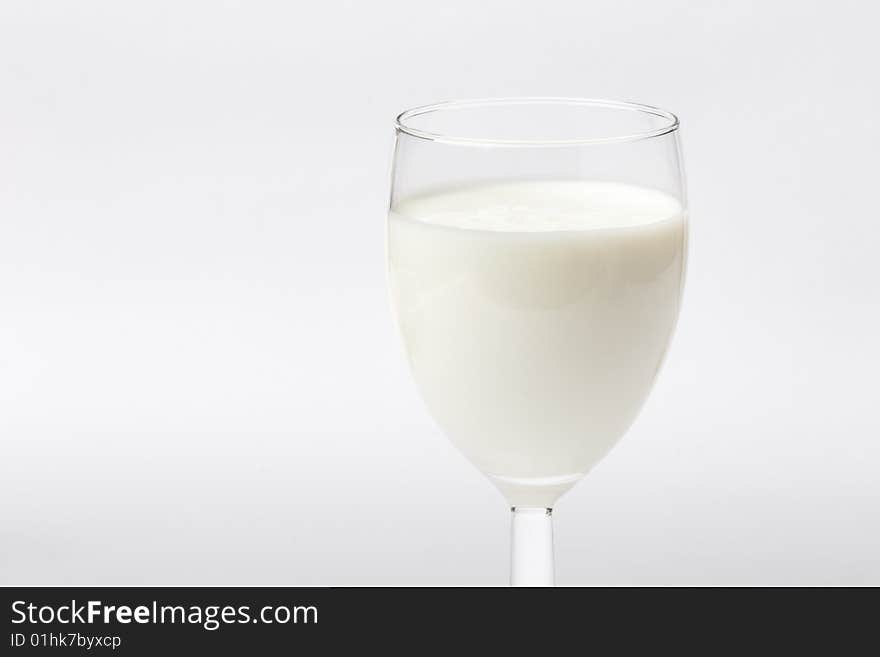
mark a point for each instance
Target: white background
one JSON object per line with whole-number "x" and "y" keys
{"x": 200, "y": 381}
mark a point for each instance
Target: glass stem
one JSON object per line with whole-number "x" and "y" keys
{"x": 531, "y": 547}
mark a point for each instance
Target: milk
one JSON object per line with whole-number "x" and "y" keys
{"x": 535, "y": 316}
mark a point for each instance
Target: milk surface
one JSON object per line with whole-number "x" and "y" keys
{"x": 535, "y": 315}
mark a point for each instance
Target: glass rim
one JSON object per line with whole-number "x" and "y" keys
{"x": 671, "y": 123}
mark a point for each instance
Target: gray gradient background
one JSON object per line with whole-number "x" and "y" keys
{"x": 200, "y": 381}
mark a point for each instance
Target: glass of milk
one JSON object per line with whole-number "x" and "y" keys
{"x": 536, "y": 254}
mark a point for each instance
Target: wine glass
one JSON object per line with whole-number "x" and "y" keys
{"x": 536, "y": 252}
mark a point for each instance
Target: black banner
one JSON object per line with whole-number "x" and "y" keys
{"x": 196, "y": 621}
